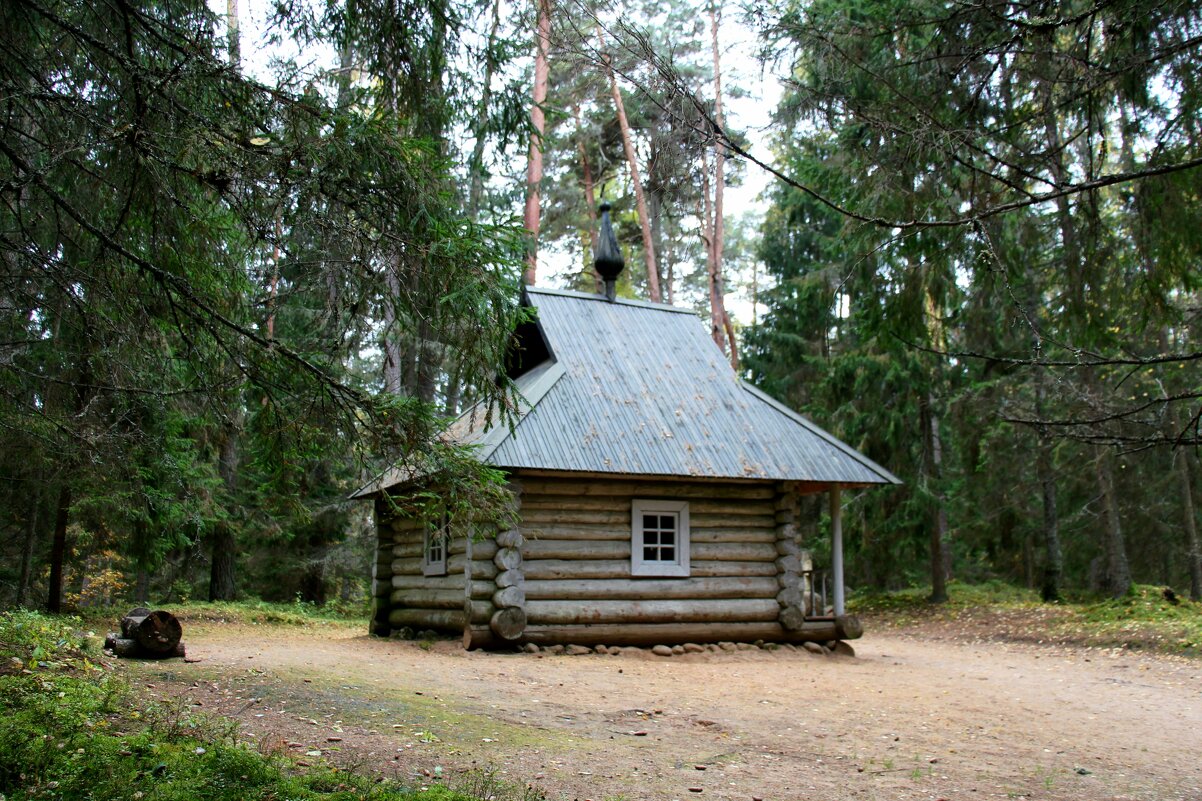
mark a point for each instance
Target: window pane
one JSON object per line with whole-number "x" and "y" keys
{"x": 649, "y": 521}
{"x": 667, "y": 554}
{"x": 650, "y": 554}
{"x": 667, "y": 522}
{"x": 651, "y": 538}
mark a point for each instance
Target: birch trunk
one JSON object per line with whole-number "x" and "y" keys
{"x": 718, "y": 233}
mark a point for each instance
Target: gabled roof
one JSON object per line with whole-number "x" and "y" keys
{"x": 640, "y": 388}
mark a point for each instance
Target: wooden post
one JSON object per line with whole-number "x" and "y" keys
{"x": 837, "y": 548}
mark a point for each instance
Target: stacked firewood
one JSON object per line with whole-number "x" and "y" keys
{"x": 147, "y": 635}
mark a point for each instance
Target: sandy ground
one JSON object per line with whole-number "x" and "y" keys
{"x": 907, "y": 718}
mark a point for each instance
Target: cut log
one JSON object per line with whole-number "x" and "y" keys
{"x": 508, "y": 624}
{"x": 478, "y": 612}
{"x": 508, "y": 559}
{"x": 509, "y": 596}
{"x": 510, "y": 578}
{"x": 131, "y": 649}
{"x": 157, "y": 632}
{"x": 848, "y": 627}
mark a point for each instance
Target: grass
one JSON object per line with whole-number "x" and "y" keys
{"x": 70, "y": 728}
{"x": 1143, "y": 619}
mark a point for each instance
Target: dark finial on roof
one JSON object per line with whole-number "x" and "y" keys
{"x": 607, "y": 258}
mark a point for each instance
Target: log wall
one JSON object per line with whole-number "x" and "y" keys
{"x": 563, "y": 573}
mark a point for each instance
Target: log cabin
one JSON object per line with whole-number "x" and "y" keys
{"x": 656, "y": 495}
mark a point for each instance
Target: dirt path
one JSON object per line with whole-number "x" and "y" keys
{"x": 905, "y": 719}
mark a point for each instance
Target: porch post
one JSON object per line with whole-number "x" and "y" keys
{"x": 837, "y": 548}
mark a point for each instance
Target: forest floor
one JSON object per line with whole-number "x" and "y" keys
{"x": 931, "y": 712}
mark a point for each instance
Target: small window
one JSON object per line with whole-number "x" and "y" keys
{"x": 659, "y": 538}
{"x": 434, "y": 548}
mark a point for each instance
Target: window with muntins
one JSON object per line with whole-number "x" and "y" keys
{"x": 659, "y": 538}
{"x": 434, "y": 549}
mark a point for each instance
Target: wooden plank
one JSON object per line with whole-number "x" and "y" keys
{"x": 406, "y": 550}
{"x": 639, "y": 589}
{"x": 577, "y": 549}
{"x": 672, "y": 633}
{"x": 734, "y": 551}
{"x": 750, "y": 610}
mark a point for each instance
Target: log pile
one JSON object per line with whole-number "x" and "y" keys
{"x": 147, "y": 635}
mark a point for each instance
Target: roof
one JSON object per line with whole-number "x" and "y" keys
{"x": 640, "y": 388}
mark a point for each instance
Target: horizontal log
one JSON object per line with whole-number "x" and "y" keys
{"x": 481, "y": 548}
{"x": 708, "y": 520}
{"x": 733, "y": 551}
{"x": 427, "y": 599}
{"x": 636, "y": 589}
{"x": 381, "y": 589}
{"x": 577, "y": 549}
{"x": 541, "y": 518}
{"x": 699, "y": 534}
{"x": 479, "y": 612}
{"x": 407, "y": 525}
{"x": 674, "y": 633}
{"x": 690, "y": 611}
{"x": 453, "y": 581}
{"x": 578, "y": 531}
{"x": 482, "y": 571}
{"x": 437, "y": 619}
{"x": 548, "y": 569}
{"x": 413, "y": 566}
{"x": 480, "y": 636}
{"x": 535, "y": 487}
{"x": 407, "y": 550}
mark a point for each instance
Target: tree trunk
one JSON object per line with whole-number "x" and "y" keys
{"x": 538, "y": 121}
{"x": 1185, "y": 483}
{"x": 718, "y": 293}
{"x": 1117, "y": 579}
{"x": 58, "y": 550}
{"x": 29, "y": 543}
{"x": 1053, "y": 565}
{"x": 637, "y": 182}
{"x": 934, "y": 463}
{"x": 223, "y": 551}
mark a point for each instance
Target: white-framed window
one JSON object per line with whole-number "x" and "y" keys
{"x": 659, "y": 544}
{"x": 434, "y": 548}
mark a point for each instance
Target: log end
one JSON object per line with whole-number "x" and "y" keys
{"x": 848, "y": 627}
